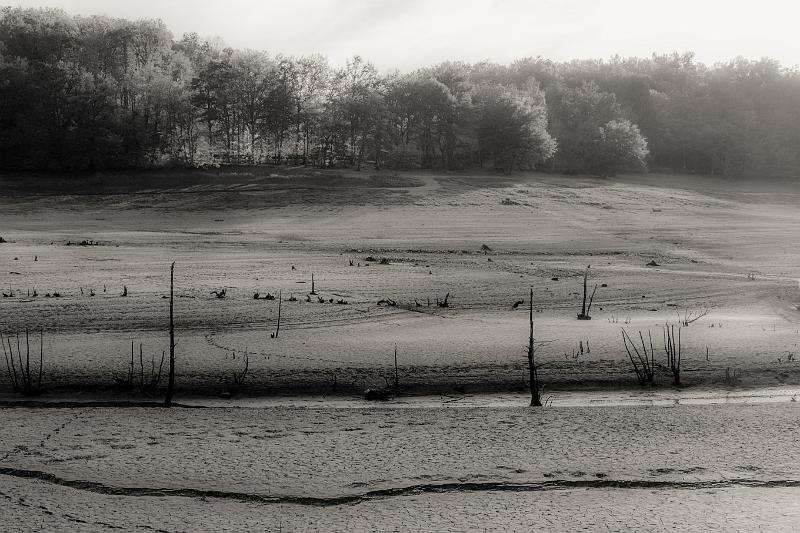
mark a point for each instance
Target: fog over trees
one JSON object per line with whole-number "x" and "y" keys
{"x": 88, "y": 93}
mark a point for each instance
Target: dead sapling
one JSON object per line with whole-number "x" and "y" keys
{"x": 691, "y": 316}
{"x": 396, "y": 373}
{"x": 672, "y": 347}
{"x": 313, "y": 287}
{"x": 536, "y": 393}
{"x": 155, "y": 377}
{"x": 148, "y": 383}
{"x": 278, "y": 325}
{"x": 171, "y": 381}
{"x": 584, "y": 314}
{"x": 643, "y": 362}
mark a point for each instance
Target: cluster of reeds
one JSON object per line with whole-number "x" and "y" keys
{"x": 643, "y": 361}
{"x": 24, "y": 379}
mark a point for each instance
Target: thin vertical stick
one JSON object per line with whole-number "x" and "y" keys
{"x": 280, "y": 299}
{"x": 396, "y": 376}
{"x": 11, "y": 376}
{"x": 19, "y": 357}
{"x": 130, "y": 373}
{"x": 13, "y": 365}
{"x": 141, "y": 366}
{"x": 171, "y": 383}
{"x": 583, "y": 308}
{"x": 27, "y": 362}
{"x": 41, "y": 357}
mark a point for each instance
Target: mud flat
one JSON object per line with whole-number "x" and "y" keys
{"x": 709, "y": 467}
{"x": 297, "y": 450}
{"x": 712, "y": 245}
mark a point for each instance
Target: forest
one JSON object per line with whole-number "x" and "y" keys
{"x": 91, "y": 93}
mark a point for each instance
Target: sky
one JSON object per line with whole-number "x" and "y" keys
{"x": 407, "y": 34}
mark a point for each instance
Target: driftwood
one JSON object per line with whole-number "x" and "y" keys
{"x": 443, "y": 303}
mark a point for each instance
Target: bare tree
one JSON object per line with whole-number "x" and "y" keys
{"x": 536, "y": 394}
{"x": 584, "y": 314}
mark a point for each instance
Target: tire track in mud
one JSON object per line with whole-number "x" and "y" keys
{"x": 394, "y": 492}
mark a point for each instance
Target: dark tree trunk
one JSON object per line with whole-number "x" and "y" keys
{"x": 536, "y": 396}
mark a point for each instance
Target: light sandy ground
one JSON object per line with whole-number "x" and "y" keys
{"x": 468, "y": 463}
{"x": 698, "y": 468}
{"x": 256, "y": 232}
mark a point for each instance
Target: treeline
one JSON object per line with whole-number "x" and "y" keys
{"x": 92, "y": 93}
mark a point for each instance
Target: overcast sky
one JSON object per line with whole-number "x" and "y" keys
{"x": 406, "y": 34}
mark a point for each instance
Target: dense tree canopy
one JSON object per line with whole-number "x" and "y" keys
{"x": 91, "y": 93}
